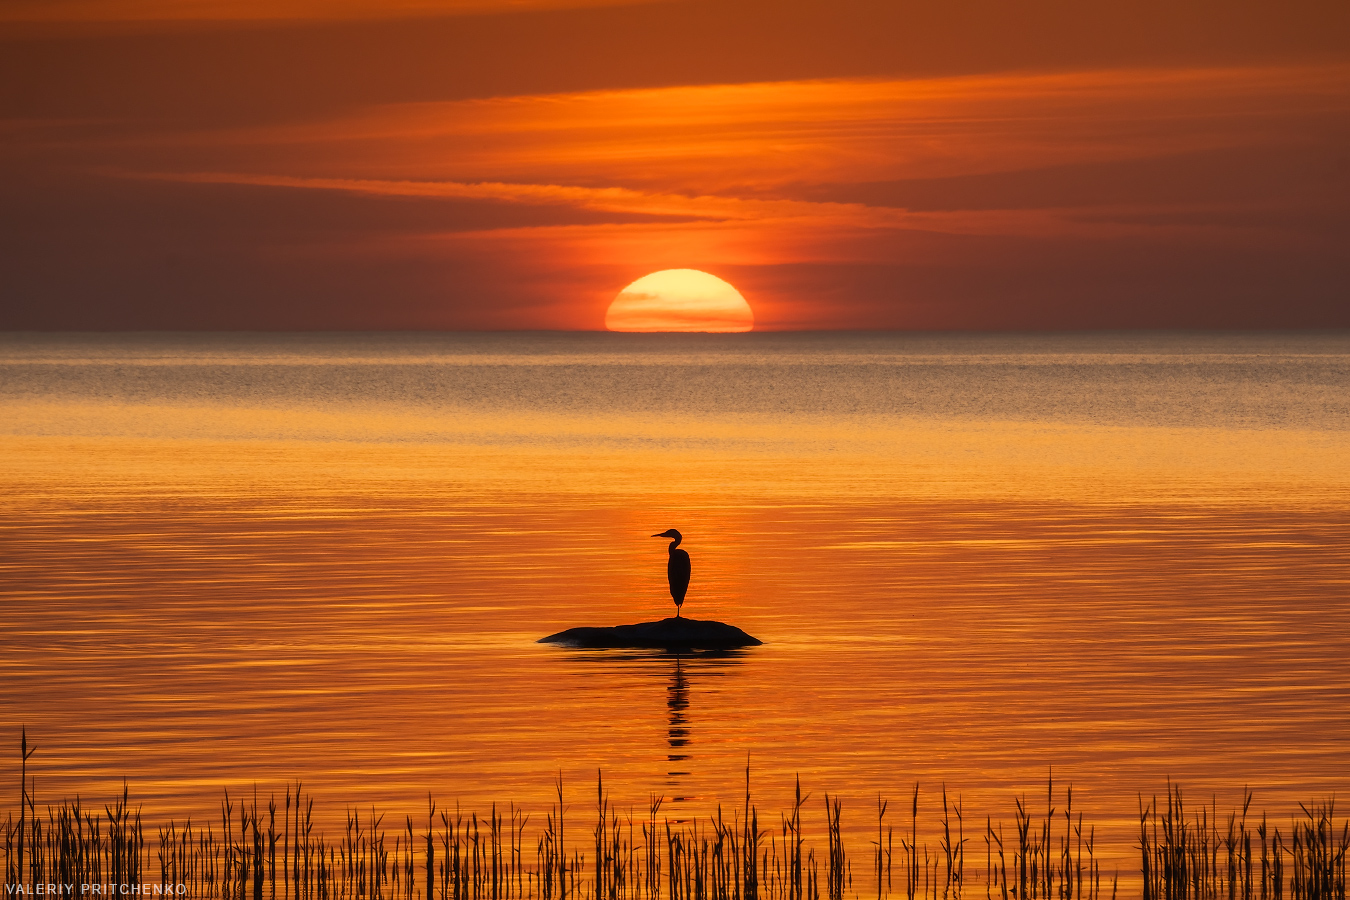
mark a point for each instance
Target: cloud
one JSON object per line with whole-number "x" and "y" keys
{"x": 766, "y": 135}
{"x": 830, "y": 161}
{"x": 1208, "y": 187}
{"x": 70, "y": 11}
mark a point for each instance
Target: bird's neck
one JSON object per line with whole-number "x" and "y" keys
{"x": 673, "y": 544}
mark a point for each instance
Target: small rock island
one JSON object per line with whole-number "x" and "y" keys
{"x": 675, "y": 633}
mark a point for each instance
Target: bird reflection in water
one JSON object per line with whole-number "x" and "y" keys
{"x": 677, "y": 701}
{"x": 687, "y": 671}
{"x": 685, "y": 676}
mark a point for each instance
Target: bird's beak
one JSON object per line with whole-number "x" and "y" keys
{"x": 658, "y": 535}
{"x": 662, "y": 534}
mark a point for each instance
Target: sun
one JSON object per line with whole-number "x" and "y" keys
{"x": 679, "y": 300}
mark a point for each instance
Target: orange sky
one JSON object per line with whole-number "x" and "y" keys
{"x": 414, "y": 164}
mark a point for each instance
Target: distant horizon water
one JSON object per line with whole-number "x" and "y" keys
{"x": 974, "y": 558}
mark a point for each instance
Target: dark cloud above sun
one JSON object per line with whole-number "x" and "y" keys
{"x": 476, "y": 164}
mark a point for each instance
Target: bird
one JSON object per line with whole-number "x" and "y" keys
{"x": 677, "y": 570}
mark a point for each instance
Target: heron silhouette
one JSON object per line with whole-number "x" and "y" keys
{"x": 677, "y": 570}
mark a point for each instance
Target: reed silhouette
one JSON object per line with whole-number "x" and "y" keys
{"x": 277, "y": 851}
{"x": 677, "y": 569}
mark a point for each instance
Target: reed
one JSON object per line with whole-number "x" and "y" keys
{"x": 275, "y": 848}
{"x": 1186, "y": 855}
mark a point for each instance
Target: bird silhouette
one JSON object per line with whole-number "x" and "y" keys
{"x": 677, "y": 570}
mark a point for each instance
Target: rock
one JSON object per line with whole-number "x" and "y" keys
{"x": 667, "y": 634}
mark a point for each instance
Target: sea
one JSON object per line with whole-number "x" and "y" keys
{"x": 998, "y": 565}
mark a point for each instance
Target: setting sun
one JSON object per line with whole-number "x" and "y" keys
{"x": 679, "y": 300}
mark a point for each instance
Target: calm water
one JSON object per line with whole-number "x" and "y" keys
{"x": 232, "y": 560}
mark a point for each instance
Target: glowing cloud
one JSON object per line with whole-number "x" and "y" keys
{"x": 679, "y": 300}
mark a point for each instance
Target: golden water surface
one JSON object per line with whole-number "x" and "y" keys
{"x": 233, "y": 561}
